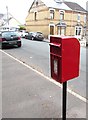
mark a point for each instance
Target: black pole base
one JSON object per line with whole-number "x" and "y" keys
{"x": 64, "y": 100}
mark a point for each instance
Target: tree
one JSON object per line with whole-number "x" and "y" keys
{"x": 22, "y": 28}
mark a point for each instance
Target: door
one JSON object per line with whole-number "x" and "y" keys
{"x": 51, "y": 30}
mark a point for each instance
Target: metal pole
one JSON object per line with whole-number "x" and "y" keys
{"x": 64, "y": 100}
{"x": 7, "y": 15}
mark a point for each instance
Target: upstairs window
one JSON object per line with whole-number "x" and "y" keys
{"x": 35, "y": 15}
{"x": 36, "y": 3}
{"x": 78, "y": 18}
{"x": 61, "y": 15}
{"x": 84, "y": 18}
{"x": 51, "y": 13}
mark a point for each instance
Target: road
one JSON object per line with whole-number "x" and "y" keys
{"x": 37, "y": 55}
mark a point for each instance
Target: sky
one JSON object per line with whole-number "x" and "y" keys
{"x": 19, "y": 8}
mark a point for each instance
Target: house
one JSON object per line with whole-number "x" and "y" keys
{"x": 10, "y": 24}
{"x": 56, "y": 17}
{"x": 1, "y": 19}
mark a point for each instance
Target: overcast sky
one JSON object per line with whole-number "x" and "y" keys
{"x": 19, "y": 8}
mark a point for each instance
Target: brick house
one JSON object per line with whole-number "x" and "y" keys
{"x": 56, "y": 17}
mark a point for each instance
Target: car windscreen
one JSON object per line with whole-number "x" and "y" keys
{"x": 9, "y": 34}
{"x": 39, "y": 33}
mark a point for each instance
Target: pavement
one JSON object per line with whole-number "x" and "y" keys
{"x": 28, "y": 94}
{"x": 46, "y": 40}
{"x": 0, "y": 85}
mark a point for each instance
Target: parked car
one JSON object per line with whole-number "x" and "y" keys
{"x": 10, "y": 38}
{"x": 23, "y": 33}
{"x": 86, "y": 38}
{"x": 35, "y": 35}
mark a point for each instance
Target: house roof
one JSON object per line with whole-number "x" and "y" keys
{"x": 75, "y": 6}
{"x": 53, "y": 4}
{"x": 12, "y": 20}
{"x": 1, "y": 15}
{"x": 62, "y": 5}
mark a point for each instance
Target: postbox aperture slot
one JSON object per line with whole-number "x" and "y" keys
{"x": 56, "y": 45}
{"x": 55, "y": 50}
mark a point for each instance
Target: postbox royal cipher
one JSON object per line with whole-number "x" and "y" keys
{"x": 64, "y": 58}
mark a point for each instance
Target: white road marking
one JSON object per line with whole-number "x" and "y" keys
{"x": 50, "y": 79}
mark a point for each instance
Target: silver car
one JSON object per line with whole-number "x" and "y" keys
{"x": 35, "y": 36}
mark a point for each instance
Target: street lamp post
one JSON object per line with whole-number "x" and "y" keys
{"x": 7, "y": 15}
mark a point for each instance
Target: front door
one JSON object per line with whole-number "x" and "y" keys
{"x": 51, "y": 30}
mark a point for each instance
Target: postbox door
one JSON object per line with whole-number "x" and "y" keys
{"x": 56, "y": 68}
{"x": 70, "y": 59}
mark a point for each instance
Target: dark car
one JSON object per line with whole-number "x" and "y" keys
{"x": 10, "y": 38}
{"x": 34, "y": 36}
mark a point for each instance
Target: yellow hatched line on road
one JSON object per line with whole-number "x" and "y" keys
{"x": 50, "y": 79}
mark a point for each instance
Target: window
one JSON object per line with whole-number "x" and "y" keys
{"x": 36, "y": 3}
{"x": 61, "y": 30}
{"x": 78, "y": 19}
{"x": 51, "y": 14}
{"x": 61, "y": 15}
{"x": 78, "y": 30}
{"x": 84, "y": 18}
{"x": 35, "y": 15}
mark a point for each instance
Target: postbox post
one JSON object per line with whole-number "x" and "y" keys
{"x": 64, "y": 96}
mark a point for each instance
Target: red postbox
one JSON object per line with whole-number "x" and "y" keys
{"x": 64, "y": 58}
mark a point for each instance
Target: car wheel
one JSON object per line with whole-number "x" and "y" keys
{"x": 32, "y": 38}
{"x": 2, "y": 46}
{"x": 25, "y": 37}
{"x": 19, "y": 44}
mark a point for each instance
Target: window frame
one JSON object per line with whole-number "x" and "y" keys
{"x": 78, "y": 32}
{"x": 85, "y": 19}
{"x": 78, "y": 17}
{"x": 62, "y": 15}
{"x": 60, "y": 30}
{"x": 35, "y": 15}
{"x": 52, "y": 13}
